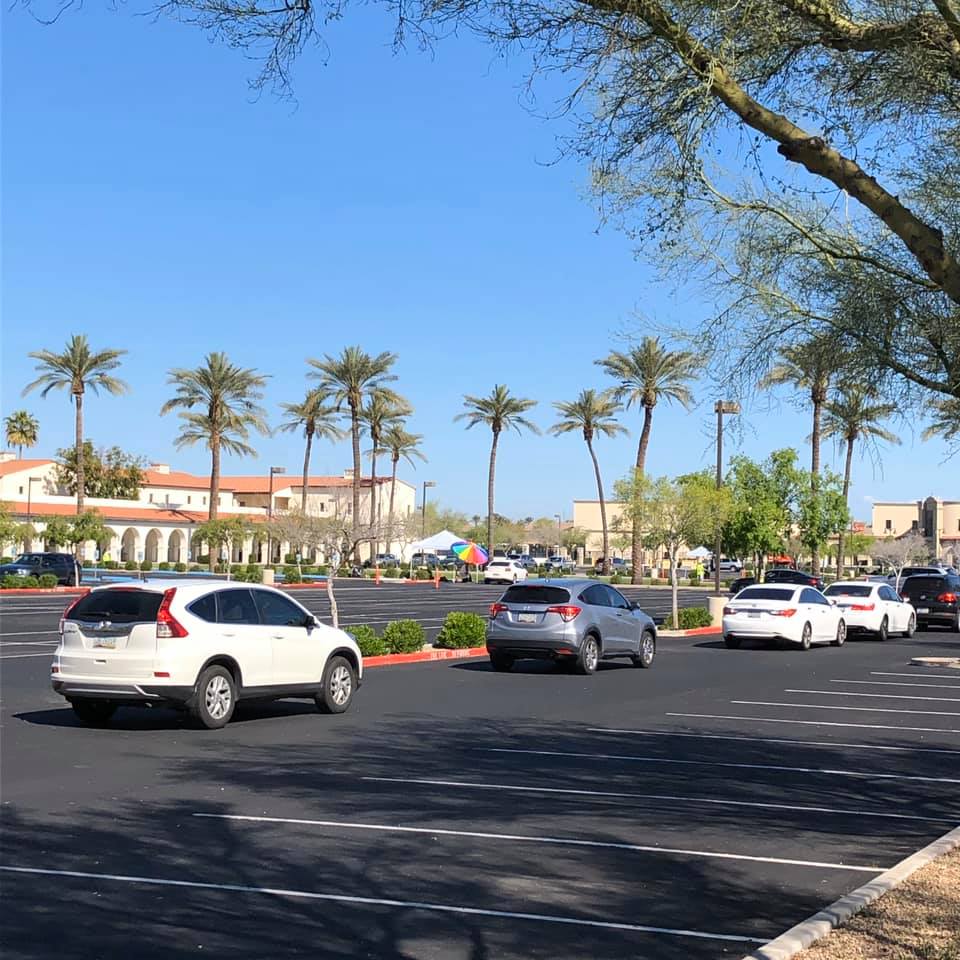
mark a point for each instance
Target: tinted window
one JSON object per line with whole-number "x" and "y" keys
{"x": 596, "y": 596}
{"x": 849, "y": 590}
{"x": 886, "y": 593}
{"x": 277, "y": 610}
{"x": 29, "y": 559}
{"x": 205, "y": 608}
{"x": 237, "y": 606}
{"x": 764, "y": 593}
{"x": 617, "y": 599}
{"x": 118, "y": 606}
{"x": 924, "y": 584}
{"x": 536, "y": 594}
{"x": 810, "y": 596}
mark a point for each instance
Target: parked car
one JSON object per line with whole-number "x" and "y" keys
{"x": 617, "y": 564}
{"x": 927, "y": 569}
{"x": 727, "y": 565}
{"x": 501, "y": 570}
{"x": 786, "y": 575}
{"x": 530, "y": 562}
{"x": 575, "y": 623}
{"x": 870, "y": 607}
{"x": 789, "y": 614}
{"x": 63, "y": 565}
{"x": 741, "y": 583}
{"x": 199, "y": 647}
{"x": 383, "y": 561}
{"x": 560, "y": 563}
{"x": 424, "y": 560}
{"x": 935, "y": 597}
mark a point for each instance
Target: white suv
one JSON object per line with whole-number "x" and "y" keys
{"x": 199, "y": 647}
{"x": 502, "y": 570}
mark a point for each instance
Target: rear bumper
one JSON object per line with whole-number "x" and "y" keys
{"x": 120, "y": 690}
{"x": 945, "y": 617}
{"x": 519, "y": 644}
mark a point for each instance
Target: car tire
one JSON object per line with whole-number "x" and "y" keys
{"x": 884, "y": 632}
{"x": 501, "y": 662}
{"x": 731, "y": 642}
{"x": 214, "y": 698}
{"x": 338, "y": 686}
{"x": 589, "y": 657}
{"x": 806, "y": 637}
{"x": 911, "y": 626}
{"x": 647, "y": 652}
{"x": 841, "y": 636}
{"x": 93, "y": 713}
{"x": 486, "y": 579}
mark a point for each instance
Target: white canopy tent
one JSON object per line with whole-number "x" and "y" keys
{"x": 700, "y": 553}
{"x": 443, "y": 540}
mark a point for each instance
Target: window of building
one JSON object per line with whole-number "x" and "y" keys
{"x": 915, "y": 525}
{"x": 166, "y": 498}
{"x": 21, "y": 491}
{"x": 323, "y": 507}
{"x": 189, "y": 499}
{"x": 204, "y": 501}
{"x": 888, "y": 526}
{"x": 150, "y": 498}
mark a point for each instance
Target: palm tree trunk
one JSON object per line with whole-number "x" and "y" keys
{"x": 306, "y": 473}
{"x": 20, "y": 452}
{"x": 393, "y": 490}
{"x": 636, "y": 547}
{"x": 603, "y": 508}
{"x": 78, "y": 447}
{"x": 841, "y": 538}
{"x": 490, "y": 487}
{"x": 355, "y": 437}
{"x": 815, "y": 475}
{"x": 374, "y": 505}
{"x": 214, "y": 477}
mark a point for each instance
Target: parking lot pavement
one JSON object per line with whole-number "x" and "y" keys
{"x": 689, "y": 811}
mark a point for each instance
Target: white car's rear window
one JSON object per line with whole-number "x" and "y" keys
{"x": 764, "y": 593}
{"x": 122, "y": 605}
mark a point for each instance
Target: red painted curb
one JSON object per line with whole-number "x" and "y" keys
{"x": 424, "y": 656}
{"x": 694, "y": 632}
{"x": 30, "y": 591}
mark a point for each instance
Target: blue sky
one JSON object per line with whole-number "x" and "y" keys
{"x": 405, "y": 202}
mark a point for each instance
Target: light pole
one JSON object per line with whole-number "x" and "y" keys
{"x": 559, "y": 545}
{"x": 273, "y": 472}
{"x": 30, "y": 482}
{"x": 721, "y": 407}
{"x": 423, "y": 508}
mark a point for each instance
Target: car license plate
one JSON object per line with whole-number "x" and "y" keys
{"x": 105, "y": 643}
{"x": 754, "y": 614}
{"x": 923, "y": 609}
{"x": 526, "y": 618}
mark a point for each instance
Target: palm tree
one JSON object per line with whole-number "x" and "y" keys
{"x": 22, "y": 429}
{"x": 854, "y": 415}
{"x": 400, "y": 445}
{"x": 946, "y": 420}
{"x": 592, "y": 414}
{"x": 348, "y": 380}
{"x": 647, "y": 374}
{"x": 77, "y": 368}
{"x": 809, "y": 367}
{"x": 379, "y": 414}
{"x": 226, "y": 395}
{"x": 316, "y": 419}
{"x": 499, "y": 412}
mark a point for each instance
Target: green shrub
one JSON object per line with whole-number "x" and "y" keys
{"x": 367, "y": 640}
{"x": 462, "y": 630}
{"x": 693, "y": 580}
{"x": 131, "y": 565}
{"x": 690, "y": 619}
{"x": 391, "y": 573}
{"x": 616, "y": 578}
{"x": 343, "y": 572}
{"x": 289, "y": 558}
{"x": 323, "y": 569}
{"x": 111, "y": 564}
{"x": 404, "y": 636}
{"x": 48, "y": 580}
{"x": 10, "y": 582}
{"x": 146, "y": 565}
{"x": 291, "y": 575}
{"x": 163, "y": 565}
{"x": 180, "y": 567}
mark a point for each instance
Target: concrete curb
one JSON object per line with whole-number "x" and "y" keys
{"x": 424, "y": 656}
{"x": 52, "y": 591}
{"x": 815, "y": 928}
{"x": 695, "y": 632}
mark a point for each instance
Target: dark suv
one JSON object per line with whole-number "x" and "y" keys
{"x": 935, "y": 597}
{"x": 786, "y": 575}
{"x": 62, "y": 565}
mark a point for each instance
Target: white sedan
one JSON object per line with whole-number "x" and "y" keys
{"x": 873, "y": 608}
{"x": 503, "y": 570}
{"x": 783, "y": 613}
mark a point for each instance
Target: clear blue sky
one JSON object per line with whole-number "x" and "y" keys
{"x": 405, "y": 203}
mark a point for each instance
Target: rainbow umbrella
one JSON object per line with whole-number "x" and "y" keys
{"x": 469, "y": 552}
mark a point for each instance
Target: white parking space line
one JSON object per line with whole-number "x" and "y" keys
{"x": 916, "y": 674}
{"x": 563, "y": 841}
{"x": 606, "y": 794}
{"x": 830, "y": 706}
{"x": 23, "y": 656}
{"x": 800, "y": 743}
{"x": 28, "y": 633}
{"x": 901, "y": 683}
{"x": 882, "y": 696}
{"x": 716, "y": 763}
{"x": 27, "y": 643}
{"x": 383, "y": 902}
{"x": 814, "y": 723}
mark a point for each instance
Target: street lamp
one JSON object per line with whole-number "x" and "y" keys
{"x": 731, "y": 408}
{"x": 30, "y": 482}
{"x": 423, "y": 508}
{"x": 559, "y": 551}
{"x": 273, "y": 472}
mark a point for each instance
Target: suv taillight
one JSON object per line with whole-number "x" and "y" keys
{"x": 567, "y": 611}
{"x": 496, "y": 608}
{"x": 66, "y": 612}
{"x": 167, "y": 624}
{"x": 947, "y": 598}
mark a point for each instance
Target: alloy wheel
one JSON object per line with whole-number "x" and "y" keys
{"x": 217, "y": 697}
{"x": 341, "y": 684}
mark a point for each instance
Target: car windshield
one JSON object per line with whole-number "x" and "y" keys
{"x": 536, "y": 593}
{"x": 848, "y": 590}
{"x": 764, "y": 593}
{"x": 30, "y": 559}
{"x": 118, "y": 606}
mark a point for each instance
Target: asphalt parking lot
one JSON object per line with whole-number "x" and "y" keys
{"x": 691, "y": 811}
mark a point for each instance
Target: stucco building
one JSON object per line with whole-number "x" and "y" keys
{"x": 934, "y": 518}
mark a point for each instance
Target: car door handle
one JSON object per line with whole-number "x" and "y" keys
{"x": 228, "y": 634}
{"x": 276, "y": 636}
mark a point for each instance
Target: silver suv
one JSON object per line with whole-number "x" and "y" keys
{"x": 576, "y": 623}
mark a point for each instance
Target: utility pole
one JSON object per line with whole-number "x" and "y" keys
{"x": 423, "y": 508}
{"x": 273, "y": 472}
{"x": 720, "y": 408}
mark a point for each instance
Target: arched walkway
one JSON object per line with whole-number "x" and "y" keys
{"x": 151, "y": 549}
{"x": 110, "y": 545}
{"x": 129, "y": 545}
{"x": 176, "y": 547}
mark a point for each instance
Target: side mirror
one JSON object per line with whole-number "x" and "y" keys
{"x": 310, "y": 621}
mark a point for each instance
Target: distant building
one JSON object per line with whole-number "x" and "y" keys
{"x": 934, "y": 518}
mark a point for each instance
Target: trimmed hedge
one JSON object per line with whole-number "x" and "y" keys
{"x": 180, "y": 567}
{"x": 131, "y": 565}
{"x": 690, "y": 619}
{"x": 461, "y": 630}
{"x": 13, "y": 582}
{"x": 291, "y": 575}
{"x": 146, "y": 565}
{"x": 404, "y": 636}
{"x": 391, "y": 573}
{"x": 48, "y": 580}
{"x": 163, "y": 566}
{"x": 367, "y": 640}
{"x": 111, "y": 564}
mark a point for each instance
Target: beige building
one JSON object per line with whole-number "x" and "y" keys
{"x": 158, "y": 525}
{"x": 934, "y": 518}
